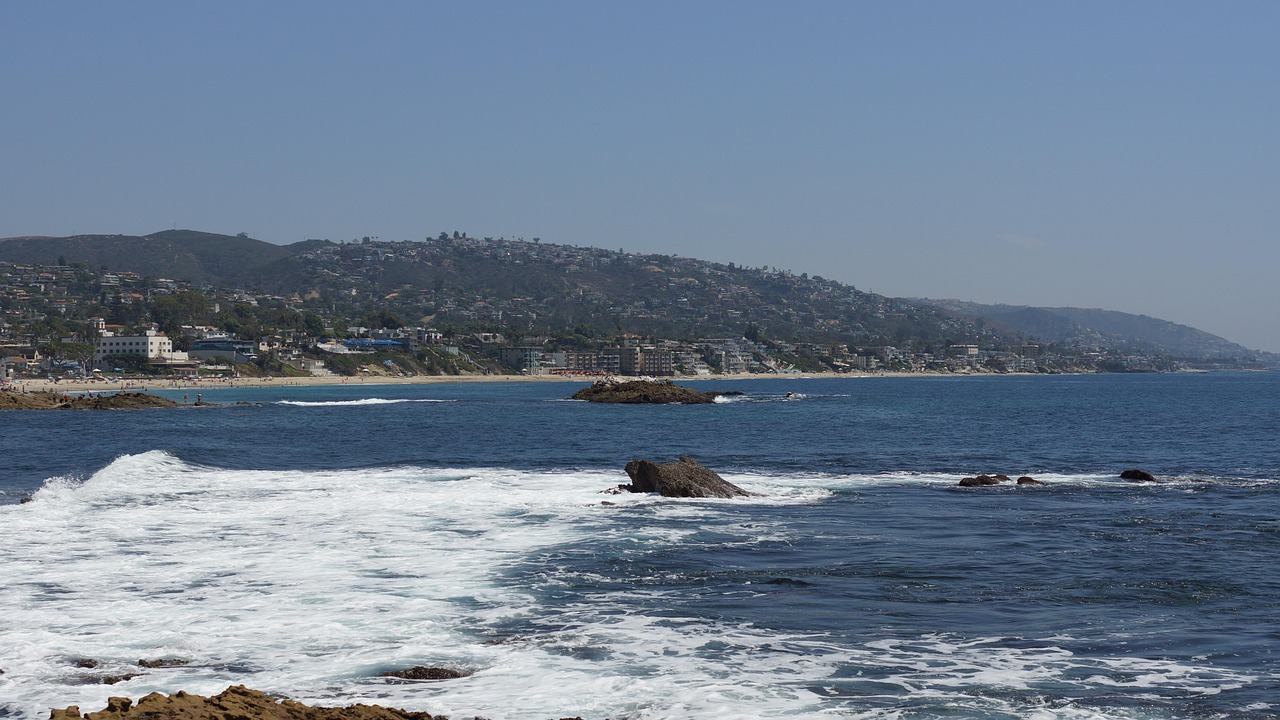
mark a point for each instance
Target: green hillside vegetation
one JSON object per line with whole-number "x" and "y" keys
{"x": 180, "y": 254}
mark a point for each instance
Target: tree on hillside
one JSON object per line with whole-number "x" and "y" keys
{"x": 171, "y": 312}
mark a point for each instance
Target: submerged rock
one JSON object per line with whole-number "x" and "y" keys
{"x": 686, "y": 478}
{"x": 419, "y": 672}
{"x": 234, "y": 703}
{"x": 613, "y": 390}
{"x": 163, "y": 663}
{"x": 1138, "y": 476}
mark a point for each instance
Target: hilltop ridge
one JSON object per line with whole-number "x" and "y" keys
{"x": 531, "y": 287}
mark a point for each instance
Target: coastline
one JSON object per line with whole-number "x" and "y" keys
{"x": 144, "y": 385}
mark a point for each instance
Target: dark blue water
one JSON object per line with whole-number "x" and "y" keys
{"x": 1134, "y": 600}
{"x": 1204, "y": 426}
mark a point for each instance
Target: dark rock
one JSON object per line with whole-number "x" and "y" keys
{"x": 611, "y": 390}
{"x": 1002, "y": 478}
{"x": 1024, "y": 480}
{"x": 26, "y": 500}
{"x": 419, "y": 672}
{"x": 163, "y": 663}
{"x": 45, "y": 400}
{"x": 979, "y": 481}
{"x": 113, "y": 679}
{"x": 1138, "y": 476}
{"x": 86, "y": 663}
{"x": 685, "y": 478}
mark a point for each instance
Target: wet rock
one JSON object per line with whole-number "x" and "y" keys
{"x": 980, "y": 481}
{"x": 86, "y": 663}
{"x": 419, "y": 672}
{"x": 44, "y": 400}
{"x": 1024, "y": 480}
{"x": 234, "y": 703}
{"x": 612, "y": 390}
{"x": 1135, "y": 475}
{"x": 686, "y": 478}
{"x": 163, "y": 663}
{"x": 113, "y": 679}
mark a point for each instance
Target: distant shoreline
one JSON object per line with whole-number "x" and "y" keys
{"x": 136, "y": 385}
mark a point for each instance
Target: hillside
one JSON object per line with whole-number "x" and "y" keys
{"x": 1102, "y": 328}
{"x": 519, "y": 287}
{"x": 179, "y": 254}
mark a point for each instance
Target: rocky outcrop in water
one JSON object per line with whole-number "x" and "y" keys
{"x": 982, "y": 480}
{"x": 419, "y": 672}
{"x": 613, "y": 390}
{"x": 80, "y": 401}
{"x": 234, "y": 703}
{"x": 986, "y": 480}
{"x": 685, "y": 478}
{"x": 1138, "y": 476}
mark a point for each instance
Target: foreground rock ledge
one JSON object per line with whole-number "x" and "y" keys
{"x": 234, "y": 703}
{"x": 685, "y": 478}
{"x": 57, "y": 401}
{"x": 612, "y": 390}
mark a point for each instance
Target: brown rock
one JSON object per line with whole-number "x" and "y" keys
{"x": 234, "y": 703}
{"x": 44, "y": 400}
{"x": 1138, "y": 476}
{"x": 611, "y": 390}
{"x": 980, "y": 481}
{"x": 684, "y": 478}
{"x": 162, "y": 663}
{"x": 1024, "y": 480}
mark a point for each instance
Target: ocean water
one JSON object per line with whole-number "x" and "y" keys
{"x": 302, "y": 541}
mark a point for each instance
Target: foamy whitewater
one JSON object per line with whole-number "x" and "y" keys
{"x": 831, "y": 593}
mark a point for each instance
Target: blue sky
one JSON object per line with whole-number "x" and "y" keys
{"x": 1093, "y": 154}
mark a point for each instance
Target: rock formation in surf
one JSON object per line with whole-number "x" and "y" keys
{"x": 985, "y": 480}
{"x": 80, "y": 401}
{"x": 234, "y": 703}
{"x": 613, "y": 390}
{"x": 685, "y": 478}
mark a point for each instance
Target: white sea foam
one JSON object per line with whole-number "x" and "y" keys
{"x": 309, "y": 584}
{"x": 362, "y": 401}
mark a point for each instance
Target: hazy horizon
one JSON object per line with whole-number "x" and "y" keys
{"x": 1114, "y": 156}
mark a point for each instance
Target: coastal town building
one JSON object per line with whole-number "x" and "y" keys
{"x": 152, "y": 344}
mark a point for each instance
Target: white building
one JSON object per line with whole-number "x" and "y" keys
{"x": 154, "y": 345}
